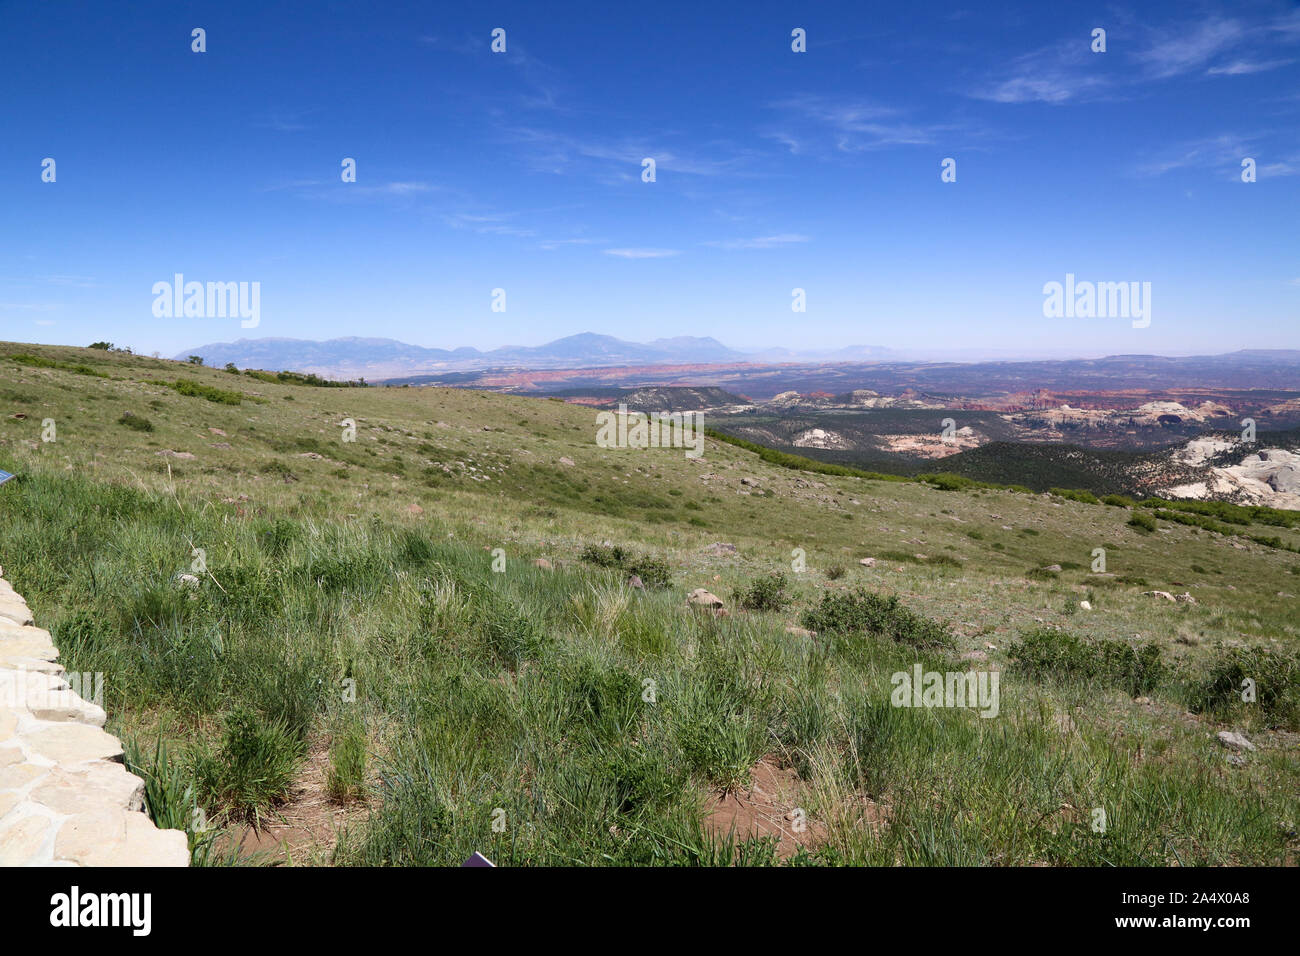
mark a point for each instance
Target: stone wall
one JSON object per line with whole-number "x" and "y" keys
{"x": 65, "y": 797}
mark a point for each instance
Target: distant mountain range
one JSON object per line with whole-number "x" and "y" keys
{"x": 375, "y": 358}
{"x": 378, "y": 359}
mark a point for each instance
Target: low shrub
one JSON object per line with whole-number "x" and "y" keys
{"x": 1276, "y": 685}
{"x": 765, "y": 593}
{"x": 861, "y": 611}
{"x": 1143, "y": 523}
{"x": 652, "y": 571}
{"x": 1075, "y": 494}
{"x": 1047, "y": 653}
{"x": 135, "y": 422}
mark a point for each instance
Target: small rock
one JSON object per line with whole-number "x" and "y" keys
{"x": 720, "y": 548}
{"x": 1159, "y": 594}
{"x": 867, "y": 562}
{"x": 1185, "y": 598}
{"x": 702, "y": 598}
{"x": 217, "y": 431}
{"x": 1234, "y": 741}
{"x": 990, "y": 647}
{"x": 1086, "y": 605}
{"x": 188, "y": 581}
{"x": 1052, "y": 567}
{"x": 749, "y": 481}
{"x": 568, "y": 462}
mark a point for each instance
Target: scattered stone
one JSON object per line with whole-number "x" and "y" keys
{"x": 1052, "y": 567}
{"x": 168, "y": 453}
{"x": 1185, "y": 598}
{"x": 990, "y": 647}
{"x": 1234, "y": 741}
{"x": 568, "y": 462}
{"x": 190, "y": 581}
{"x": 867, "y": 562}
{"x": 706, "y": 599}
{"x": 1086, "y": 605}
{"x": 1159, "y": 594}
{"x": 217, "y": 431}
{"x": 749, "y": 481}
{"x": 720, "y": 548}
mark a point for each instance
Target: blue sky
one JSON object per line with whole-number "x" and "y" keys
{"x": 775, "y": 170}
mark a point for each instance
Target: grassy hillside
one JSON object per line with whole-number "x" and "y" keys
{"x": 348, "y": 656}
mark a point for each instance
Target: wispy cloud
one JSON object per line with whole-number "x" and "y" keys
{"x": 1053, "y": 74}
{"x": 617, "y": 160}
{"x": 760, "y": 242}
{"x": 1192, "y": 48}
{"x": 1218, "y": 151}
{"x": 854, "y": 126}
{"x": 1223, "y": 153}
{"x": 643, "y": 253}
{"x": 557, "y": 243}
{"x": 489, "y": 224}
{"x": 545, "y": 84}
{"x": 1069, "y": 71}
{"x": 1243, "y": 67}
{"x": 68, "y": 281}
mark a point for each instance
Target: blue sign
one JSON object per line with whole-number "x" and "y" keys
{"x": 4, "y": 476}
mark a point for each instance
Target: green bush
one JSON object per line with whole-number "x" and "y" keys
{"x": 1052, "y": 654}
{"x": 135, "y": 422}
{"x": 861, "y": 611}
{"x": 1277, "y": 687}
{"x": 765, "y": 593}
{"x": 652, "y": 571}
{"x": 1144, "y": 523}
{"x": 1075, "y": 494}
{"x": 1119, "y": 501}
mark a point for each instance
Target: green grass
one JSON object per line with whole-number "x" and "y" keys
{"x": 593, "y": 722}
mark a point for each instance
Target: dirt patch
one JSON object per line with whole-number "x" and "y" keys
{"x": 772, "y": 806}
{"x": 305, "y": 828}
